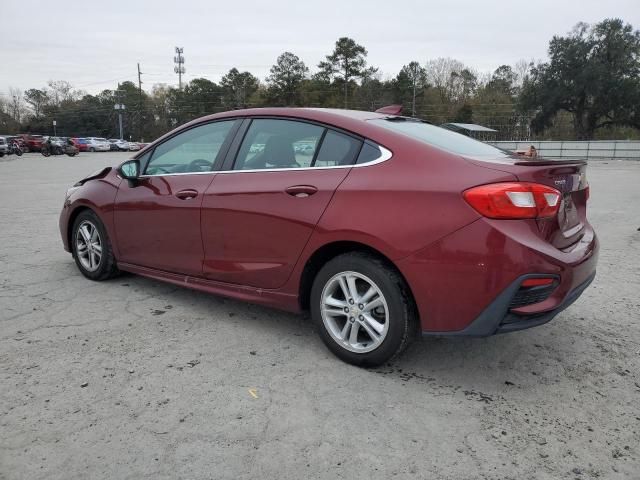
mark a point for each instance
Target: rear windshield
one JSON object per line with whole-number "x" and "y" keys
{"x": 440, "y": 137}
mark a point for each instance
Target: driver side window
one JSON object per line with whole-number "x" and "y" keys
{"x": 194, "y": 150}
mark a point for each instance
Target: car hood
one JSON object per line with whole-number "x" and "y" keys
{"x": 97, "y": 174}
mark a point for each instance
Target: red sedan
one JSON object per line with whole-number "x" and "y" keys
{"x": 81, "y": 144}
{"x": 382, "y": 226}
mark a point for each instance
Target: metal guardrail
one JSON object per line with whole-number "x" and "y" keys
{"x": 585, "y": 150}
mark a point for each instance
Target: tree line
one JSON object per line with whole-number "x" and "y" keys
{"x": 589, "y": 88}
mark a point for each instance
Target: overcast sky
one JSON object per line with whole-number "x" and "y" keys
{"x": 94, "y": 45}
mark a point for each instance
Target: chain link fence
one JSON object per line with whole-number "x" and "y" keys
{"x": 584, "y": 150}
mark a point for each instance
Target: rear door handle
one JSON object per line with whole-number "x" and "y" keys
{"x": 301, "y": 191}
{"x": 187, "y": 194}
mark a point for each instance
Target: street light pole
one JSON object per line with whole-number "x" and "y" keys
{"x": 120, "y": 108}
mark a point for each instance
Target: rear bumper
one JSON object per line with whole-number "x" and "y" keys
{"x": 497, "y": 318}
{"x": 464, "y": 284}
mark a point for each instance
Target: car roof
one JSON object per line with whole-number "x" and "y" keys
{"x": 350, "y": 120}
{"x": 308, "y": 113}
{"x": 355, "y": 121}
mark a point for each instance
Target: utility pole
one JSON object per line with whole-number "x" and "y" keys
{"x": 139, "y": 103}
{"x": 140, "y": 83}
{"x": 413, "y": 103}
{"x": 179, "y": 68}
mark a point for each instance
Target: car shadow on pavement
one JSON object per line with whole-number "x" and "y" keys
{"x": 522, "y": 359}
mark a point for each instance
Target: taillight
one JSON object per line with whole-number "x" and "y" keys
{"x": 514, "y": 200}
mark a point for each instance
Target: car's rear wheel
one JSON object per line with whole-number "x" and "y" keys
{"x": 363, "y": 309}
{"x": 92, "y": 149}
{"x": 91, "y": 247}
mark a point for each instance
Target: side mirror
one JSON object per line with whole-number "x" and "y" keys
{"x": 130, "y": 170}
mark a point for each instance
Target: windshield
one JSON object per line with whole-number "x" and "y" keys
{"x": 440, "y": 137}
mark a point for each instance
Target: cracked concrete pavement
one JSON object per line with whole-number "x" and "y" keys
{"x": 167, "y": 372}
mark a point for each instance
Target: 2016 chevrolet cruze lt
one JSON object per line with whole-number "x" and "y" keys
{"x": 382, "y": 226}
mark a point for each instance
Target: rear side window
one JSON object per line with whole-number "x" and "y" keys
{"x": 337, "y": 149}
{"x": 369, "y": 153}
{"x": 440, "y": 137}
{"x": 275, "y": 144}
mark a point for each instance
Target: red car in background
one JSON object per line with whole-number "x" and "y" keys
{"x": 81, "y": 144}
{"x": 382, "y": 226}
{"x": 32, "y": 142}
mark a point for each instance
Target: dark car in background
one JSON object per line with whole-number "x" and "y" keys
{"x": 390, "y": 227}
{"x": 4, "y": 146}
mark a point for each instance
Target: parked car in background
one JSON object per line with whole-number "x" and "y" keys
{"x": 392, "y": 228}
{"x": 134, "y": 146}
{"x": 119, "y": 144}
{"x": 33, "y": 143}
{"x": 98, "y": 144}
{"x": 55, "y": 141}
{"x": 19, "y": 140}
{"x": 4, "y": 146}
{"x": 81, "y": 144}
{"x": 15, "y": 147}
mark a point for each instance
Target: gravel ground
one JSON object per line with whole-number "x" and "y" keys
{"x": 134, "y": 378}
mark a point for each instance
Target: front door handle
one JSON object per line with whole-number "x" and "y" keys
{"x": 301, "y": 191}
{"x": 187, "y": 194}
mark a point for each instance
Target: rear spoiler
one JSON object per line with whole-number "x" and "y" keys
{"x": 390, "y": 110}
{"x": 546, "y": 162}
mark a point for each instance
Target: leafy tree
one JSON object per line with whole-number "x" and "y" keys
{"x": 202, "y": 97}
{"x": 7, "y": 122}
{"x": 371, "y": 93}
{"x": 285, "y": 79}
{"x": 503, "y": 80}
{"x": 37, "y": 99}
{"x": 346, "y": 63}
{"x": 464, "y": 114}
{"x": 410, "y": 83}
{"x": 593, "y": 73}
{"x": 237, "y": 87}
{"x": 465, "y": 83}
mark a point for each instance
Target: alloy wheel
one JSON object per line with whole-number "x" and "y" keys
{"x": 354, "y": 312}
{"x": 88, "y": 246}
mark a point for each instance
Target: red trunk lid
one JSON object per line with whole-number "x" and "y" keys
{"x": 566, "y": 176}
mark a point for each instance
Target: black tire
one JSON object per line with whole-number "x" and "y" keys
{"x": 92, "y": 149}
{"x": 107, "y": 267}
{"x": 401, "y": 314}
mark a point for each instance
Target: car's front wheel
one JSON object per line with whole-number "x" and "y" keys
{"x": 91, "y": 247}
{"x": 363, "y": 309}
